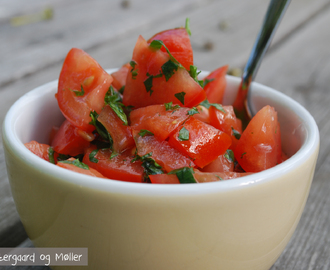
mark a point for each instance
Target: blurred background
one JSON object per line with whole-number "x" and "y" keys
{"x": 36, "y": 36}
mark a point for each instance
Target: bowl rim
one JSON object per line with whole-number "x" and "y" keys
{"x": 12, "y": 141}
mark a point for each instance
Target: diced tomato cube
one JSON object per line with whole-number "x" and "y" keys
{"x": 203, "y": 114}
{"x": 202, "y": 177}
{"x": 119, "y": 76}
{"x": 259, "y": 147}
{"x": 68, "y": 140}
{"x": 164, "y": 179}
{"x": 121, "y": 134}
{"x": 205, "y": 142}
{"x": 220, "y": 164}
{"x": 216, "y": 85}
{"x": 72, "y": 167}
{"x": 40, "y": 149}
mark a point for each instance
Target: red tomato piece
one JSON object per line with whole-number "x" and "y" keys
{"x": 226, "y": 122}
{"x": 119, "y": 76}
{"x": 205, "y": 142}
{"x": 178, "y": 43}
{"x": 259, "y": 147}
{"x": 203, "y": 114}
{"x": 68, "y": 141}
{"x": 157, "y": 120}
{"x": 220, "y": 164}
{"x": 165, "y": 155}
{"x": 82, "y": 86}
{"x": 72, "y": 167}
{"x": 149, "y": 62}
{"x": 202, "y": 177}
{"x": 119, "y": 167}
{"x": 120, "y": 133}
{"x": 164, "y": 179}
{"x": 40, "y": 149}
{"x": 216, "y": 86}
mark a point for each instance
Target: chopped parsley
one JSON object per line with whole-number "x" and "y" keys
{"x": 101, "y": 130}
{"x": 180, "y": 96}
{"x": 193, "y": 111}
{"x": 77, "y": 163}
{"x": 243, "y": 154}
{"x": 51, "y": 155}
{"x": 169, "y": 69}
{"x": 144, "y": 132}
{"x": 230, "y": 155}
{"x": 79, "y": 93}
{"x": 148, "y": 82}
{"x": 183, "y": 134}
{"x": 194, "y": 74}
{"x": 121, "y": 90}
{"x": 187, "y": 26}
{"x": 133, "y": 71}
{"x": 169, "y": 106}
{"x": 236, "y": 134}
{"x": 207, "y": 105}
{"x": 207, "y": 81}
{"x": 149, "y": 165}
{"x": 92, "y": 157}
{"x": 113, "y": 99}
{"x": 185, "y": 175}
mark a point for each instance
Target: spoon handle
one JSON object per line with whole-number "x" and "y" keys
{"x": 275, "y": 12}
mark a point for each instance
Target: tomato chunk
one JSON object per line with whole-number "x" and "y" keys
{"x": 205, "y": 142}
{"x": 120, "y": 133}
{"x": 202, "y": 177}
{"x": 119, "y": 167}
{"x": 227, "y": 122}
{"x": 220, "y": 164}
{"x": 68, "y": 141}
{"x": 119, "y": 76}
{"x": 164, "y": 179}
{"x": 158, "y": 120}
{"x": 83, "y": 168}
{"x": 178, "y": 43}
{"x": 180, "y": 88}
{"x": 165, "y": 155}
{"x": 40, "y": 149}
{"x": 216, "y": 85}
{"x": 259, "y": 147}
{"x": 82, "y": 86}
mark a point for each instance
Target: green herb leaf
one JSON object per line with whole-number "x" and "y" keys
{"x": 133, "y": 71}
{"x": 236, "y": 133}
{"x": 79, "y": 93}
{"x": 62, "y": 157}
{"x": 188, "y": 26}
{"x": 121, "y": 90}
{"x": 220, "y": 178}
{"x": 230, "y": 155}
{"x": 169, "y": 69}
{"x": 148, "y": 84}
{"x": 92, "y": 156}
{"x": 113, "y": 154}
{"x": 113, "y": 99}
{"x": 193, "y": 111}
{"x": 156, "y": 44}
{"x": 183, "y": 134}
{"x": 194, "y": 74}
{"x": 243, "y": 154}
{"x": 149, "y": 165}
{"x": 144, "y": 132}
{"x": 51, "y": 155}
{"x": 206, "y": 81}
{"x": 180, "y": 96}
{"x": 100, "y": 129}
{"x": 169, "y": 106}
{"x": 185, "y": 175}
{"x": 76, "y": 163}
{"x": 207, "y": 105}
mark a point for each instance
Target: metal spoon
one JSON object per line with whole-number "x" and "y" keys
{"x": 243, "y": 104}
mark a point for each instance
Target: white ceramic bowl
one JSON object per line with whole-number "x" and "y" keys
{"x": 236, "y": 224}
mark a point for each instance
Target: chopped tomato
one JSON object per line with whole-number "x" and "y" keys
{"x": 84, "y": 169}
{"x": 165, "y": 155}
{"x": 118, "y": 167}
{"x": 202, "y": 177}
{"x": 178, "y": 43}
{"x": 180, "y": 87}
{"x": 158, "y": 120}
{"x": 227, "y": 122}
{"x": 220, "y": 164}
{"x": 259, "y": 147}
{"x": 216, "y": 85}
{"x": 203, "y": 144}
{"x": 40, "y": 149}
{"x": 164, "y": 179}
{"x": 82, "y": 86}
{"x": 119, "y": 76}
{"x": 120, "y": 133}
{"x": 68, "y": 141}
{"x": 203, "y": 114}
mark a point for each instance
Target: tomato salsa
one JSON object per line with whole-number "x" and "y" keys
{"x": 154, "y": 121}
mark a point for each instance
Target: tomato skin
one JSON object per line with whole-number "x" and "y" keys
{"x": 157, "y": 120}
{"x": 164, "y": 179}
{"x": 220, "y": 164}
{"x": 205, "y": 142}
{"x": 119, "y": 76}
{"x": 149, "y": 61}
{"x": 74, "y": 168}
{"x": 165, "y": 155}
{"x": 226, "y": 122}
{"x": 81, "y": 70}
{"x": 119, "y": 167}
{"x": 67, "y": 140}
{"x": 178, "y": 43}
{"x": 120, "y": 133}
{"x": 40, "y": 149}
{"x": 259, "y": 147}
{"x": 215, "y": 89}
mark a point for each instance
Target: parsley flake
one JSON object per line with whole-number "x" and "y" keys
{"x": 100, "y": 129}
{"x": 236, "y": 134}
{"x": 188, "y": 26}
{"x": 169, "y": 106}
{"x": 185, "y": 175}
{"x": 113, "y": 99}
{"x": 150, "y": 166}
{"x": 207, "y": 81}
{"x": 92, "y": 157}
{"x": 207, "y": 105}
{"x": 180, "y": 96}
{"x": 183, "y": 134}
{"x": 194, "y": 74}
{"x": 51, "y": 153}
{"x": 133, "y": 71}
{"x": 193, "y": 111}
{"x": 77, "y": 163}
{"x": 230, "y": 155}
{"x": 169, "y": 69}
{"x": 79, "y": 93}
{"x": 144, "y": 132}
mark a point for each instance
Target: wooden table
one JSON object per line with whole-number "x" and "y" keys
{"x": 223, "y": 32}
